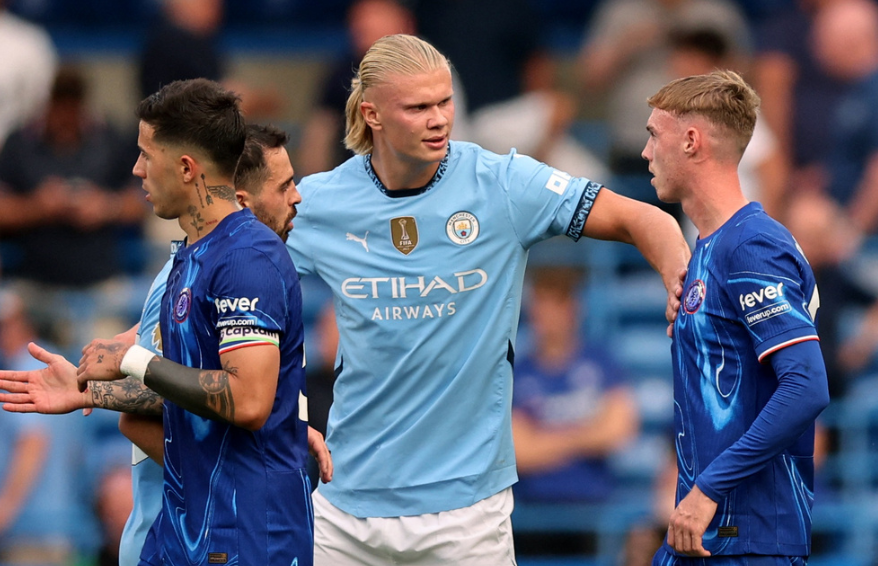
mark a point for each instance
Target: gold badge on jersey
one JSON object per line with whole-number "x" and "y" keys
{"x": 156, "y": 338}
{"x": 404, "y": 234}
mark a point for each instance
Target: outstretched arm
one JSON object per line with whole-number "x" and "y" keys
{"x": 54, "y": 390}
{"x": 653, "y": 232}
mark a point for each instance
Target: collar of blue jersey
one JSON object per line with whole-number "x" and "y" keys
{"x": 443, "y": 165}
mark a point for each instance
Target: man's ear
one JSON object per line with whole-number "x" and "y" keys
{"x": 243, "y": 198}
{"x": 692, "y": 141}
{"x": 187, "y": 168}
{"x": 370, "y": 114}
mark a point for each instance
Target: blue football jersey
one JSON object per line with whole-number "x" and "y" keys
{"x": 146, "y": 474}
{"x": 560, "y": 397}
{"x": 427, "y": 289}
{"x": 748, "y": 293}
{"x": 234, "y": 496}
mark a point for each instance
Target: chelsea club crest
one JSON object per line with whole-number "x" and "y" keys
{"x": 694, "y": 296}
{"x": 182, "y": 305}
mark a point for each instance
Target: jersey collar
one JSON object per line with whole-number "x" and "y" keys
{"x": 443, "y": 165}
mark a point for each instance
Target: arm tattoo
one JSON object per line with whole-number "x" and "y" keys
{"x": 127, "y": 396}
{"x": 224, "y": 192}
{"x": 114, "y": 350}
{"x": 197, "y": 220}
{"x": 219, "y": 396}
{"x": 207, "y": 393}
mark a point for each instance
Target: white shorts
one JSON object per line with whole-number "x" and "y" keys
{"x": 478, "y": 535}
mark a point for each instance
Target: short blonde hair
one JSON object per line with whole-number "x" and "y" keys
{"x": 723, "y": 97}
{"x": 398, "y": 54}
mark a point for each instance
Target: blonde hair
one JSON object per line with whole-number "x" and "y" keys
{"x": 723, "y": 97}
{"x": 398, "y": 54}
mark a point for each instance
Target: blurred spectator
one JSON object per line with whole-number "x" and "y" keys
{"x": 42, "y": 511}
{"x": 23, "y": 444}
{"x": 846, "y": 41}
{"x": 572, "y": 407}
{"x": 113, "y": 505}
{"x": 798, "y": 95}
{"x": 509, "y": 82}
{"x": 625, "y": 53}
{"x": 762, "y": 171}
{"x": 26, "y": 71}
{"x": 490, "y": 43}
{"x": 367, "y": 21}
{"x": 67, "y": 197}
{"x": 829, "y": 240}
{"x": 184, "y": 44}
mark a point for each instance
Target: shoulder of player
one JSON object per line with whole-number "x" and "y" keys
{"x": 321, "y": 192}
{"x": 761, "y": 238}
{"x": 502, "y": 165}
{"x": 351, "y": 170}
{"x": 760, "y": 229}
{"x": 254, "y": 239}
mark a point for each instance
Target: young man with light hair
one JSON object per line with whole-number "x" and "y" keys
{"x": 749, "y": 378}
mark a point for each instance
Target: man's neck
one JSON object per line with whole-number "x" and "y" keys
{"x": 209, "y": 204}
{"x": 556, "y": 351}
{"x": 713, "y": 202}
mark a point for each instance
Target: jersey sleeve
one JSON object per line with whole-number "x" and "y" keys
{"x": 149, "y": 333}
{"x": 801, "y": 394}
{"x": 249, "y": 297}
{"x": 773, "y": 292}
{"x": 544, "y": 201}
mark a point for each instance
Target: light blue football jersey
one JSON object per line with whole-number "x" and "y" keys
{"x": 427, "y": 290}
{"x": 749, "y": 292}
{"x": 146, "y": 474}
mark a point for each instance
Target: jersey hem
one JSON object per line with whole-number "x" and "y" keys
{"x": 423, "y": 499}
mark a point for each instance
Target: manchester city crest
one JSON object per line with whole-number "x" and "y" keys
{"x": 694, "y": 296}
{"x": 182, "y": 305}
{"x": 462, "y": 228}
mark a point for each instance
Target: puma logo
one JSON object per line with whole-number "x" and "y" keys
{"x": 361, "y": 240}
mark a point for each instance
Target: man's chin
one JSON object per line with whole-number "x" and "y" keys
{"x": 163, "y": 214}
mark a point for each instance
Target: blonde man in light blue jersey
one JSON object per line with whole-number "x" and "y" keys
{"x": 423, "y": 243}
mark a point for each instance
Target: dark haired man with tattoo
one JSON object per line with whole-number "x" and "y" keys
{"x": 235, "y": 488}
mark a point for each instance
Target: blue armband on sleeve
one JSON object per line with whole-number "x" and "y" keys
{"x": 802, "y": 393}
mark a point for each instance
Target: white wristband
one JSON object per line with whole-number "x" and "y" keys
{"x": 135, "y": 361}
